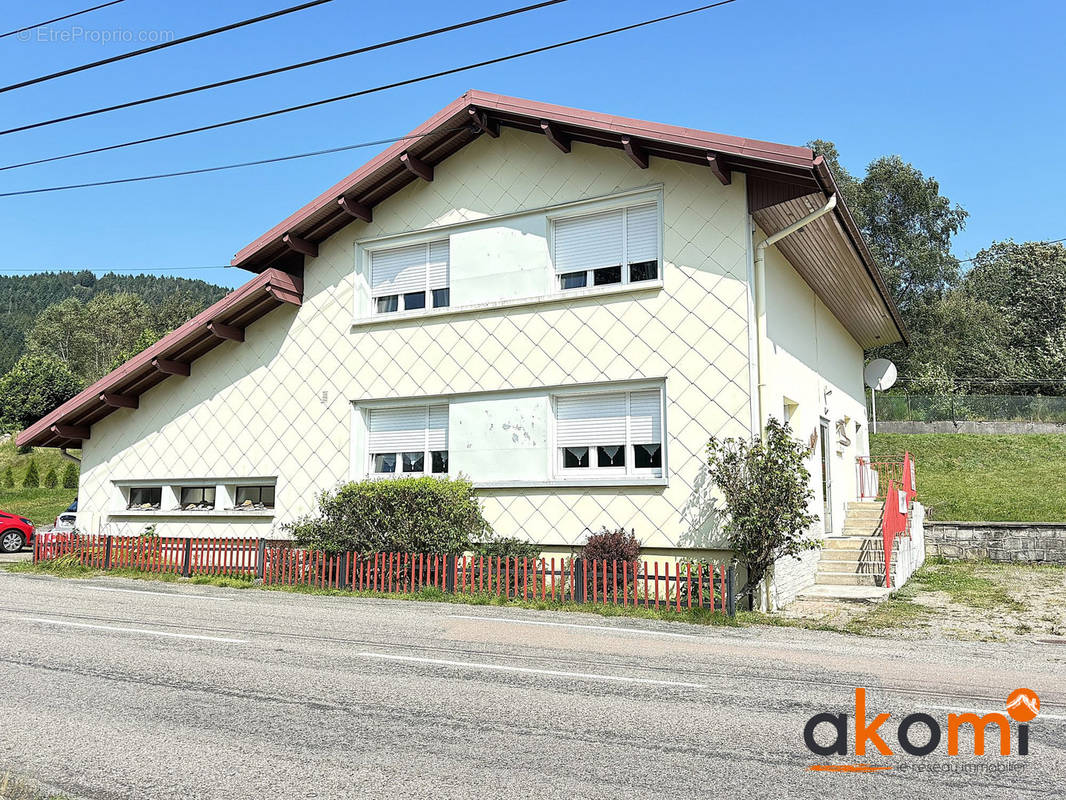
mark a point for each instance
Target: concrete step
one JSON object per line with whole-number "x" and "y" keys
{"x": 863, "y": 594}
{"x": 848, "y": 579}
{"x": 864, "y": 516}
{"x": 844, "y": 558}
{"x": 860, "y": 530}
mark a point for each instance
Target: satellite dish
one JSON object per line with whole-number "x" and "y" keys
{"x": 880, "y": 374}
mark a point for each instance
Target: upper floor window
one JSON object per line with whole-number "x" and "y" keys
{"x": 608, "y": 247}
{"x": 609, "y": 434}
{"x": 410, "y": 278}
{"x": 411, "y": 441}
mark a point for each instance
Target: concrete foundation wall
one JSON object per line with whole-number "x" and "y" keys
{"x": 971, "y": 427}
{"x": 1006, "y": 542}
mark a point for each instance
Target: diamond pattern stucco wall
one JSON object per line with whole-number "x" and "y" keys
{"x": 280, "y": 404}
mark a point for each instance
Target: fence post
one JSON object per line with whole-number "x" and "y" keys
{"x": 107, "y": 552}
{"x": 449, "y": 574}
{"x": 260, "y": 558}
{"x": 342, "y": 566}
{"x": 730, "y": 590}
{"x": 578, "y": 572}
{"x": 186, "y": 561}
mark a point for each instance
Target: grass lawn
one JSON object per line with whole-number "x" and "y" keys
{"x": 978, "y": 478}
{"x": 40, "y": 505}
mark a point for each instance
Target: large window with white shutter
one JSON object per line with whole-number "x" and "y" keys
{"x": 410, "y": 278}
{"x": 607, "y": 247}
{"x": 412, "y": 440}
{"x": 605, "y": 434}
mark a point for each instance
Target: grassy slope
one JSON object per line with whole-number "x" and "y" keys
{"x": 973, "y": 477}
{"x": 40, "y": 505}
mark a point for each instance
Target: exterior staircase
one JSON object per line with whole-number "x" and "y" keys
{"x": 852, "y": 565}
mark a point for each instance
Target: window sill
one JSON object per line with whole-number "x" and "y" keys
{"x": 557, "y": 483}
{"x": 227, "y": 513}
{"x": 541, "y": 300}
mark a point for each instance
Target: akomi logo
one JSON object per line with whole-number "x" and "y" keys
{"x": 1022, "y": 705}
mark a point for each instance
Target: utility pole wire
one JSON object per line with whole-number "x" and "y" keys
{"x": 363, "y": 92}
{"x": 163, "y": 45}
{"x": 279, "y": 70}
{"x": 59, "y": 19}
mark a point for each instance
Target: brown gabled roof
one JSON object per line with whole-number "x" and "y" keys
{"x": 779, "y": 178}
{"x": 69, "y": 425}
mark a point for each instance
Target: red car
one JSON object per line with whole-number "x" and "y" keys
{"x": 15, "y": 532}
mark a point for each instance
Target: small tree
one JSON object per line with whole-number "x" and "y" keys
{"x": 70, "y": 476}
{"x": 51, "y": 479}
{"x": 766, "y": 488}
{"x": 33, "y": 477}
{"x": 9, "y": 478}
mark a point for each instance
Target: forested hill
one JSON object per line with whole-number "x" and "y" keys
{"x": 24, "y": 297}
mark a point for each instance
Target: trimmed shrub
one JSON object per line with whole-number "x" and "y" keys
{"x": 611, "y": 546}
{"x": 506, "y": 547}
{"x": 51, "y": 480}
{"x": 412, "y": 515}
{"x": 70, "y": 476}
{"x": 33, "y": 477}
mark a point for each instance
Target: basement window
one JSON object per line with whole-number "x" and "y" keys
{"x": 254, "y": 497}
{"x": 197, "y": 498}
{"x": 145, "y": 498}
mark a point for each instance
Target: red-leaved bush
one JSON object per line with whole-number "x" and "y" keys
{"x": 605, "y": 553}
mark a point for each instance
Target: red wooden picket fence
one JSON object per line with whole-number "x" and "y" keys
{"x": 673, "y": 586}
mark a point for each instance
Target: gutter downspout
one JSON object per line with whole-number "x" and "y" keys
{"x": 760, "y": 294}
{"x": 63, "y": 452}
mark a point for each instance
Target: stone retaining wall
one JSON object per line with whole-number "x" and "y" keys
{"x": 1030, "y": 542}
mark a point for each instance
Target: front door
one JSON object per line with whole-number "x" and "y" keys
{"x": 827, "y": 476}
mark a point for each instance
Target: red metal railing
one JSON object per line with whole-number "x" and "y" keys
{"x": 669, "y": 585}
{"x": 895, "y": 514}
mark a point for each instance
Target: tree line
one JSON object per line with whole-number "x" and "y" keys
{"x": 996, "y": 325}
{"x": 61, "y": 331}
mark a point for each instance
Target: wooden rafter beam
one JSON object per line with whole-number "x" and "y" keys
{"x": 299, "y": 245}
{"x": 417, "y": 166}
{"x": 555, "y": 136}
{"x": 720, "y": 169}
{"x": 636, "y": 153}
{"x": 357, "y": 210}
{"x": 223, "y": 331}
{"x": 79, "y": 432}
{"x": 119, "y": 400}
{"x": 283, "y": 295}
{"x": 168, "y": 367}
{"x": 482, "y": 123}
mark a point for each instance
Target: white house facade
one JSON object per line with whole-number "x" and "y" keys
{"x": 562, "y": 306}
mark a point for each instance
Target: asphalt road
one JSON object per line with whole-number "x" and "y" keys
{"x": 124, "y": 689}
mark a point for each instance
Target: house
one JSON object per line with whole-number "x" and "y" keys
{"x": 560, "y": 304}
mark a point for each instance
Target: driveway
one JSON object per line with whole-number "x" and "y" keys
{"x": 124, "y": 689}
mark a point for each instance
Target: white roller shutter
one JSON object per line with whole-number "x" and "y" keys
{"x": 642, "y": 233}
{"x": 590, "y": 419}
{"x": 438, "y": 428}
{"x": 645, "y": 417}
{"x": 588, "y": 242}
{"x": 438, "y": 264}
{"x": 397, "y": 430}
{"x": 405, "y": 269}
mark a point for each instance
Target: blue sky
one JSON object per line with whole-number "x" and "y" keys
{"x": 970, "y": 92}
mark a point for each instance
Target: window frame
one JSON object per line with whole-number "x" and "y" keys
{"x": 142, "y": 488}
{"x": 427, "y": 291}
{"x": 592, "y": 209}
{"x": 260, "y": 486}
{"x": 427, "y": 453}
{"x": 203, "y": 489}
{"x": 628, "y": 472}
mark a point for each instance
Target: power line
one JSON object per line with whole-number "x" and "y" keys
{"x": 363, "y": 92}
{"x": 163, "y": 45}
{"x": 279, "y": 70}
{"x": 59, "y": 19}
{"x": 222, "y": 167}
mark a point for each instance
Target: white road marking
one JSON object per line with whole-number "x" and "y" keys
{"x": 135, "y": 630}
{"x": 157, "y": 594}
{"x": 982, "y": 711}
{"x": 581, "y": 627}
{"x": 531, "y": 671}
